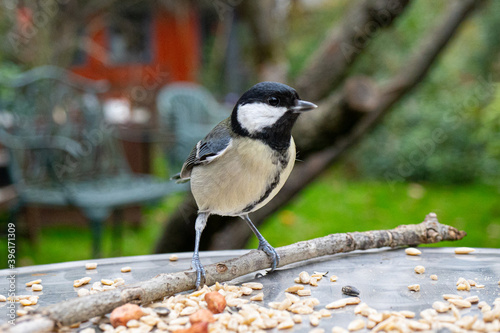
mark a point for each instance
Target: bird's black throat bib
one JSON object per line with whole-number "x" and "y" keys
{"x": 276, "y": 136}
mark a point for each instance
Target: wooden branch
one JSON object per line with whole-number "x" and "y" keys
{"x": 83, "y": 308}
{"x": 266, "y": 20}
{"x": 328, "y": 66}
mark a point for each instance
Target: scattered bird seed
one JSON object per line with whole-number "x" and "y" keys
{"x": 350, "y": 291}
{"x": 451, "y": 296}
{"x": 125, "y": 269}
{"x": 325, "y": 313}
{"x": 333, "y": 278}
{"x": 133, "y": 323}
{"x": 173, "y": 257}
{"x": 25, "y": 302}
{"x": 37, "y": 287}
{"x": 161, "y": 310}
{"x": 473, "y": 299}
{"x": 81, "y": 282}
{"x": 411, "y": 251}
{"x": 107, "y": 282}
{"x": 356, "y": 325}
{"x": 83, "y": 292}
{"x": 91, "y": 265}
{"x": 294, "y": 289}
{"x": 461, "y": 303}
{"x": 285, "y": 325}
{"x": 414, "y": 287}
{"x": 317, "y": 330}
{"x": 338, "y": 329}
{"x": 343, "y": 302}
{"x": 434, "y": 277}
{"x": 464, "y": 250}
{"x": 21, "y": 312}
{"x": 304, "y": 292}
{"x": 246, "y": 291}
{"x": 304, "y": 277}
{"x": 441, "y": 306}
{"x": 31, "y": 283}
{"x": 419, "y": 269}
{"x": 253, "y": 285}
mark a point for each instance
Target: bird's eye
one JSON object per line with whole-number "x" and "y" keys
{"x": 273, "y": 101}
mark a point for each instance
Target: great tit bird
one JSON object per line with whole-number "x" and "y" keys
{"x": 245, "y": 160}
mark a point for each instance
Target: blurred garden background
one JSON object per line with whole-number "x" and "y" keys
{"x": 394, "y": 174}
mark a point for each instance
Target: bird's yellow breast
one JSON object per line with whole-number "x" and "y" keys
{"x": 247, "y": 176}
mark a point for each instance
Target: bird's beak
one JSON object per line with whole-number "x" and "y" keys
{"x": 302, "y": 106}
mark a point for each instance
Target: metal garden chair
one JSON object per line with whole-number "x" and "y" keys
{"x": 189, "y": 111}
{"x": 63, "y": 153}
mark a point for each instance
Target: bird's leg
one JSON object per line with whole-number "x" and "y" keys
{"x": 201, "y": 222}
{"x": 263, "y": 243}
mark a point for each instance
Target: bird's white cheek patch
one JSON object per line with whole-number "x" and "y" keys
{"x": 256, "y": 116}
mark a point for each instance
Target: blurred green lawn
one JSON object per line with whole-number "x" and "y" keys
{"x": 334, "y": 203}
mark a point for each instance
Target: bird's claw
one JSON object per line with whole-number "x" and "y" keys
{"x": 200, "y": 271}
{"x": 271, "y": 252}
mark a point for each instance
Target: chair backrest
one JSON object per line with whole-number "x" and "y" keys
{"x": 189, "y": 111}
{"x": 52, "y": 123}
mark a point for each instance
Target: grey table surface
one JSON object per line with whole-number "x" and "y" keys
{"x": 381, "y": 275}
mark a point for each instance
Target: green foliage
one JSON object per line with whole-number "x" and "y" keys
{"x": 437, "y": 132}
{"x": 442, "y": 131}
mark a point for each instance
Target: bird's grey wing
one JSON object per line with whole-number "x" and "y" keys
{"x": 211, "y": 147}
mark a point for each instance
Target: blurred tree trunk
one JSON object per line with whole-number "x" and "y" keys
{"x": 267, "y": 22}
{"x": 344, "y": 115}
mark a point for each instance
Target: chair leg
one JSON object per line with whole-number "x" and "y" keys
{"x": 13, "y": 217}
{"x": 96, "y": 228}
{"x": 33, "y": 225}
{"x": 117, "y": 232}
{"x": 96, "y": 217}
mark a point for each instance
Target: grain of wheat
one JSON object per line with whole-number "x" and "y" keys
{"x": 31, "y": 283}
{"x": 304, "y": 277}
{"x": 414, "y": 287}
{"x": 411, "y": 251}
{"x": 419, "y": 269}
{"x": 253, "y": 285}
{"x": 91, "y": 265}
{"x": 356, "y": 325}
{"x": 37, "y": 287}
{"x": 294, "y": 288}
{"x": 464, "y": 250}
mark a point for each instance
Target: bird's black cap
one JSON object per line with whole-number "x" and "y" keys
{"x": 277, "y": 95}
{"x": 263, "y": 91}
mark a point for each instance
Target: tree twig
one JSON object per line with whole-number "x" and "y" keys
{"x": 329, "y": 64}
{"x": 83, "y": 308}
